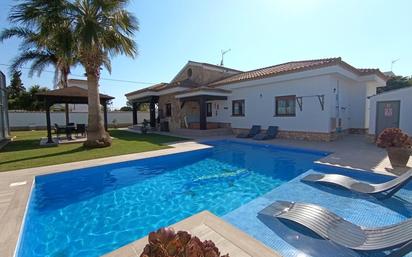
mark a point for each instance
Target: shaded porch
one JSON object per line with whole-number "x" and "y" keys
{"x": 202, "y": 96}
{"x": 152, "y": 101}
{"x": 69, "y": 95}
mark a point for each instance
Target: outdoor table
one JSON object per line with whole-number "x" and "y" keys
{"x": 69, "y": 131}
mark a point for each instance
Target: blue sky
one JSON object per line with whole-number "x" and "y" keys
{"x": 367, "y": 34}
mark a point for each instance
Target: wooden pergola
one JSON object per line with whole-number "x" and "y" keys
{"x": 69, "y": 95}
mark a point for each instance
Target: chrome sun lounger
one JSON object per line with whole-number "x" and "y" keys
{"x": 390, "y": 187}
{"x": 397, "y": 237}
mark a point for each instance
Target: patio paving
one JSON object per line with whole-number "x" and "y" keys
{"x": 351, "y": 151}
{"x": 207, "y": 226}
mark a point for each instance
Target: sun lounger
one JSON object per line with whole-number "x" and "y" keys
{"x": 270, "y": 133}
{"x": 396, "y": 237}
{"x": 252, "y": 132}
{"x": 390, "y": 187}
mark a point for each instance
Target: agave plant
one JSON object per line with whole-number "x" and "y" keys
{"x": 166, "y": 243}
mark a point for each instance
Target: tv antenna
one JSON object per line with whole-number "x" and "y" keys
{"x": 223, "y": 52}
{"x": 393, "y": 61}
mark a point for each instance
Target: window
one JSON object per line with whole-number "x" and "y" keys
{"x": 209, "y": 109}
{"x": 168, "y": 110}
{"x": 285, "y": 105}
{"x": 238, "y": 108}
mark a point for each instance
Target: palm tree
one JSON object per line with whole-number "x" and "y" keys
{"x": 102, "y": 28}
{"x": 46, "y": 36}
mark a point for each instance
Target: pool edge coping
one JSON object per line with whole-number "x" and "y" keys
{"x": 237, "y": 237}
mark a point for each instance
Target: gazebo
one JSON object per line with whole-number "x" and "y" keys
{"x": 69, "y": 95}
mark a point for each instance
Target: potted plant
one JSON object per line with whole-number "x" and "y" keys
{"x": 145, "y": 126}
{"x": 397, "y": 144}
{"x": 166, "y": 243}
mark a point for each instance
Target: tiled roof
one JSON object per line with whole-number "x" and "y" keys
{"x": 216, "y": 66}
{"x": 207, "y": 89}
{"x": 291, "y": 67}
{"x": 187, "y": 83}
{"x": 70, "y": 92}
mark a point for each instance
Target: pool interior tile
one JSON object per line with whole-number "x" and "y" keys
{"x": 290, "y": 240}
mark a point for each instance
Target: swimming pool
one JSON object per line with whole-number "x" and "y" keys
{"x": 93, "y": 211}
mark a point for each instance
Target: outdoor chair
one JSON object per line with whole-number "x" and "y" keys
{"x": 81, "y": 129}
{"x": 389, "y": 188}
{"x": 252, "y": 132}
{"x": 59, "y": 130}
{"x": 270, "y": 133}
{"x": 329, "y": 226}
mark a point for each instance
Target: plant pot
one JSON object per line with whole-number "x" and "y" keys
{"x": 398, "y": 156}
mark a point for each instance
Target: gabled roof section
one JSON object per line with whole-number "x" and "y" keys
{"x": 206, "y": 66}
{"x": 291, "y": 67}
{"x": 223, "y": 68}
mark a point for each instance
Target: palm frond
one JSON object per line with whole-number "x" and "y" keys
{"x": 19, "y": 32}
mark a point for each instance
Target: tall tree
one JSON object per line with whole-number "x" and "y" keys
{"x": 396, "y": 82}
{"x": 47, "y": 39}
{"x": 102, "y": 28}
{"x": 16, "y": 85}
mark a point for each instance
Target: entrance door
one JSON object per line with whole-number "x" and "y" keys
{"x": 387, "y": 115}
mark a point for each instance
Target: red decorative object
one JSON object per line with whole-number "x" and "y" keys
{"x": 166, "y": 243}
{"x": 397, "y": 144}
{"x": 394, "y": 137}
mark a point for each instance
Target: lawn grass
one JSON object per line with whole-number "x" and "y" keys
{"x": 25, "y": 152}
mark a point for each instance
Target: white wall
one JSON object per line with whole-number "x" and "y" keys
{"x": 405, "y": 97}
{"x": 38, "y": 119}
{"x": 260, "y": 105}
{"x": 345, "y": 98}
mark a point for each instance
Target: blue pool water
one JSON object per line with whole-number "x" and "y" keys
{"x": 90, "y": 212}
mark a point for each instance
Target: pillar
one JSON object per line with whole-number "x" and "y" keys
{"x": 202, "y": 113}
{"x": 48, "y": 121}
{"x": 152, "y": 107}
{"x": 134, "y": 113}
{"x": 105, "y": 115}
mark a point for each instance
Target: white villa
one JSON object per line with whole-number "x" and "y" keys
{"x": 312, "y": 99}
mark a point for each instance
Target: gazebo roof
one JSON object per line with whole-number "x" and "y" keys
{"x": 69, "y": 95}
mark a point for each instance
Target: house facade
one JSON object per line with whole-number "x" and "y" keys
{"x": 4, "y": 118}
{"x": 313, "y": 99}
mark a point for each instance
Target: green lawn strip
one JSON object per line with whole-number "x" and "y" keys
{"x": 25, "y": 152}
